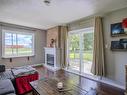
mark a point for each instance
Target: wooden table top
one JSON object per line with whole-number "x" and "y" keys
{"x": 49, "y": 87}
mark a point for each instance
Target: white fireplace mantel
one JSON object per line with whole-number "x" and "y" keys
{"x": 54, "y": 52}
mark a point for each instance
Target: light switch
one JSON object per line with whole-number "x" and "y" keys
{"x": 106, "y": 46}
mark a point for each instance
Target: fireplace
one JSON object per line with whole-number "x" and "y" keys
{"x": 52, "y": 58}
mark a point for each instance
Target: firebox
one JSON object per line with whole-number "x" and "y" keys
{"x": 50, "y": 59}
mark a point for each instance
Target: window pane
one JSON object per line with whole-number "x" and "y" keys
{"x": 25, "y": 44}
{"x": 74, "y": 49}
{"x": 8, "y": 44}
{"x": 14, "y": 46}
{"x": 87, "y": 52}
{"x": 17, "y": 44}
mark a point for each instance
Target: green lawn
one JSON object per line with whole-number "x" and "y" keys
{"x": 8, "y": 51}
{"x": 86, "y": 56}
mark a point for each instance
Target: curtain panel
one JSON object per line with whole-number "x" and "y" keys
{"x": 98, "y": 66}
{"x": 63, "y": 31}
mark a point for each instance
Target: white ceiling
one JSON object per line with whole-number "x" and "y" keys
{"x": 34, "y": 13}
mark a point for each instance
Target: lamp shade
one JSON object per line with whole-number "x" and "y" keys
{"x": 124, "y": 23}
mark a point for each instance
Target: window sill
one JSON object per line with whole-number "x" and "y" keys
{"x": 17, "y": 56}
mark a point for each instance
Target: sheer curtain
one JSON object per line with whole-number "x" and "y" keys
{"x": 98, "y": 66}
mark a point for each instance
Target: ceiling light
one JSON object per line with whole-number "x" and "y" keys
{"x": 47, "y": 2}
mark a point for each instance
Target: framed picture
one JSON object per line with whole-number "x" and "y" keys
{"x": 116, "y": 45}
{"x": 124, "y": 42}
{"x": 119, "y": 45}
{"x": 117, "y": 30}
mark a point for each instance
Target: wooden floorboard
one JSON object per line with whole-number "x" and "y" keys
{"x": 85, "y": 83}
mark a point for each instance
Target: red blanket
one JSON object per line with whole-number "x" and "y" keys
{"x": 22, "y": 83}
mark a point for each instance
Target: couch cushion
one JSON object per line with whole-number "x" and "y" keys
{"x": 6, "y": 87}
{"x": 6, "y": 75}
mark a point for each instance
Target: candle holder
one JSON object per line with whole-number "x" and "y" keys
{"x": 60, "y": 85}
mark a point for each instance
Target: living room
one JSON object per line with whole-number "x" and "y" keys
{"x": 80, "y": 43}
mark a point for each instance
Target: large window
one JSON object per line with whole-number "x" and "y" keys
{"x": 17, "y": 44}
{"x": 80, "y": 50}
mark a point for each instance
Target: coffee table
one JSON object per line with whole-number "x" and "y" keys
{"x": 49, "y": 87}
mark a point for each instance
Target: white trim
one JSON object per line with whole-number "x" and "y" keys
{"x": 18, "y": 56}
{"x": 81, "y": 30}
{"x": 16, "y": 32}
{"x": 3, "y": 41}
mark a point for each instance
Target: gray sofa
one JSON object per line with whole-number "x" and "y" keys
{"x": 6, "y": 85}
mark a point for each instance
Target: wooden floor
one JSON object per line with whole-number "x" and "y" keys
{"x": 85, "y": 83}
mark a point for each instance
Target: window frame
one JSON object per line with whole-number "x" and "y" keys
{"x": 16, "y": 32}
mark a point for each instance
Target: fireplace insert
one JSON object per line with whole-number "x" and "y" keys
{"x": 50, "y": 59}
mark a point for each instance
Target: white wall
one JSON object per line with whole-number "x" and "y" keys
{"x": 40, "y": 43}
{"x": 115, "y": 61}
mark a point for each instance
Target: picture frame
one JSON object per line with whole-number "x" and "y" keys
{"x": 116, "y": 45}
{"x": 117, "y": 30}
{"x": 119, "y": 45}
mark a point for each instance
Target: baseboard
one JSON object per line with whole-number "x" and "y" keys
{"x": 96, "y": 78}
